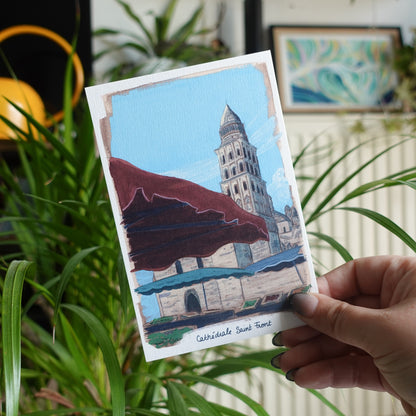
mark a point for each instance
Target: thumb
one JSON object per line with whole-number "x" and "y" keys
{"x": 353, "y": 325}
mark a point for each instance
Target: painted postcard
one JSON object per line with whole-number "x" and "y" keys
{"x": 204, "y": 197}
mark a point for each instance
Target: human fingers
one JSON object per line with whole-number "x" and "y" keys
{"x": 369, "y": 277}
{"x": 317, "y": 349}
{"x": 294, "y": 336}
{"x": 354, "y": 325}
{"x": 341, "y": 372}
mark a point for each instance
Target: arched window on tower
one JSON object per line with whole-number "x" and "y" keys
{"x": 230, "y": 156}
{"x": 226, "y": 174}
{"x": 236, "y": 190}
{"x": 244, "y": 151}
{"x": 245, "y": 185}
{"x": 223, "y": 159}
{"x": 249, "y": 155}
{"x": 238, "y": 151}
{"x": 253, "y": 188}
{"x": 241, "y": 166}
{"x": 234, "y": 171}
{"x": 256, "y": 172}
{"x": 228, "y": 192}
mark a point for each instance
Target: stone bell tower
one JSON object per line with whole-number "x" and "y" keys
{"x": 241, "y": 177}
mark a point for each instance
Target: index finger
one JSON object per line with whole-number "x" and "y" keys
{"x": 366, "y": 276}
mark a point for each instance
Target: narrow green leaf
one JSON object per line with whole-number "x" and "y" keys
{"x": 412, "y": 184}
{"x": 195, "y": 399}
{"x": 226, "y": 411}
{"x": 373, "y": 186}
{"x": 176, "y": 404}
{"x": 258, "y": 409}
{"x": 319, "y": 209}
{"x": 137, "y": 19}
{"x": 326, "y": 402}
{"x": 70, "y": 411}
{"x": 11, "y": 331}
{"x": 386, "y": 223}
{"x": 184, "y": 32}
{"x": 334, "y": 244}
{"x": 144, "y": 412}
{"x": 110, "y": 357}
{"x": 73, "y": 262}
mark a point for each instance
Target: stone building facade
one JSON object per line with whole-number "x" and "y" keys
{"x": 241, "y": 180}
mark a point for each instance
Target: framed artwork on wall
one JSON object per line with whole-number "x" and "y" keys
{"x": 335, "y": 69}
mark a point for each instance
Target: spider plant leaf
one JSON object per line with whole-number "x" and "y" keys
{"x": 257, "y": 408}
{"x": 68, "y": 411}
{"x": 144, "y": 412}
{"x": 110, "y": 357}
{"x": 412, "y": 184}
{"x": 320, "y": 207}
{"x": 104, "y": 31}
{"x": 122, "y": 46}
{"x": 226, "y": 411}
{"x": 43, "y": 131}
{"x": 196, "y": 400}
{"x": 183, "y": 33}
{"x": 325, "y": 174}
{"x": 379, "y": 184}
{"x": 69, "y": 268}
{"x": 175, "y": 402}
{"x": 11, "y": 331}
{"x": 344, "y": 253}
{"x": 326, "y": 402}
{"x": 385, "y": 222}
{"x": 137, "y": 20}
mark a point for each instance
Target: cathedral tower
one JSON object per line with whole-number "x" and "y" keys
{"x": 240, "y": 174}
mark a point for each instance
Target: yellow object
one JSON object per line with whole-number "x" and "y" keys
{"x": 23, "y": 94}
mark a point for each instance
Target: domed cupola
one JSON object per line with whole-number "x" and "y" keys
{"x": 231, "y": 125}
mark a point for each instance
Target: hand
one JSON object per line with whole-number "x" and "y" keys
{"x": 361, "y": 330}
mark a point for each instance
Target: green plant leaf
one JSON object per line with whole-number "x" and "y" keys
{"x": 71, "y": 411}
{"x": 334, "y": 244}
{"x": 196, "y": 400}
{"x": 137, "y": 19}
{"x": 11, "y": 331}
{"x": 175, "y": 403}
{"x": 144, "y": 412}
{"x": 320, "y": 208}
{"x": 73, "y": 262}
{"x": 184, "y": 32}
{"x": 258, "y": 409}
{"x": 110, "y": 357}
{"x": 384, "y": 222}
{"x": 326, "y": 402}
{"x": 163, "y": 21}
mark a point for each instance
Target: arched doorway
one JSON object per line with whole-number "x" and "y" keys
{"x": 192, "y": 303}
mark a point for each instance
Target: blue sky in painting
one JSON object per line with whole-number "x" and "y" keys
{"x": 172, "y": 128}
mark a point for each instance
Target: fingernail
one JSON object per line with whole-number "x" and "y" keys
{"x": 277, "y": 340}
{"x": 290, "y": 375}
{"x": 276, "y": 360}
{"x": 304, "y": 304}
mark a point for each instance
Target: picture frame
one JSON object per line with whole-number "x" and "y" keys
{"x": 335, "y": 69}
{"x": 204, "y": 197}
